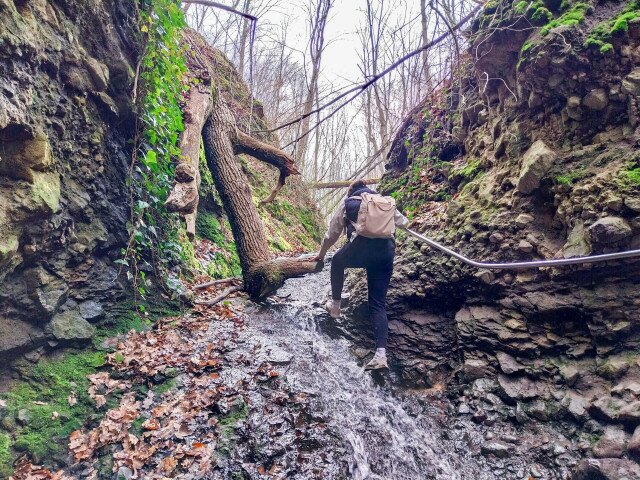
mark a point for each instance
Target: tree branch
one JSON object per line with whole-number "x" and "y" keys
{"x": 342, "y": 183}
{"x": 208, "y": 3}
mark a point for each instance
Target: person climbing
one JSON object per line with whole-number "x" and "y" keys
{"x": 369, "y": 220}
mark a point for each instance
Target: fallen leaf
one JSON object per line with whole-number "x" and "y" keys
{"x": 72, "y": 399}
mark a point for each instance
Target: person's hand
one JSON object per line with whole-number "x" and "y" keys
{"x": 318, "y": 258}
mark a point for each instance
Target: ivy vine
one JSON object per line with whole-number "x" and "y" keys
{"x": 155, "y": 235}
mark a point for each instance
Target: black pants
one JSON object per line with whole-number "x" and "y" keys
{"x": 376, "y": 256}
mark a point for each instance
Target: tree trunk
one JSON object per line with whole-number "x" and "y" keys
{"x": 343, "y": 183}
{"x": 261, "y": 274}
{"x": 184, "y": 195}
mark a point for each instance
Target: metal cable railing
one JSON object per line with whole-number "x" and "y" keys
{"x": 524, "y": 265}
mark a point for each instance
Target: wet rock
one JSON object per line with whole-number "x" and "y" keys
{"x": 606, "y": 469}
{"x": 496, "y": 448}
{"x": 607, "y": 408}
{"x": 124, "y": 473}
{"x": 611, "y": 445}
{"x": 46, "y": 291}
{"x": 521, "y": 388}
{"x": 538, "y": 409}
{"x": 631, "y": 83}
{"x": 91, "y": 311}
{"x": 609, "y": 230}
{"x": 525, "y": 246}
{"x": 634, "y": 444}
{"x": 20, "y": 158}
{"x": 577, "y": 244}
{"x": 508, "y": 364}
{"x": 523, "y": 220}
{"x": 570, "y": 374}
{"x": 535, "y": 164}
{"x": 596, "y": 99}
{"x": 23, "y": 416}
{"x": 476, "y": 368}
{"x": 99, "y": 73}
{"x": 17, "y": 335}
{"x": 70, "y": 326}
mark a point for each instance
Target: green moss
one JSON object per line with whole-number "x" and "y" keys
{"x": 227, "y": 424}
{"x": 165, "y": 386}
{"x": 468, "y": 172}
{"x": 44, "y": 435}
{"x": 602, "y": 34}
{"x": 5, "y": 455}
{"x": 520, "y": 7}
{"x": 225, "y": 263}
{"x": 633, "y": 176}
{"x": 575, "y": 15}
{"x": 571, "y": 177}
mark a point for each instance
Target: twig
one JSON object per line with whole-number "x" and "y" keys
{"x": 215, "y": 282}
{"x": 222, "y": 296}
{"x": 363, "y": 86}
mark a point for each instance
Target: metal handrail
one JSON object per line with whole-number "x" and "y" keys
{"x": 524, "y": 265}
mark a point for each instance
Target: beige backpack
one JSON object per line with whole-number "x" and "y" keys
{"x": 375, "y": 216}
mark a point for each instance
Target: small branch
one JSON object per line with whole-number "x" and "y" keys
{"x": 342, "y": 183}
{"x": 207, "y": 3}
{"x": 272, "y": 196}
{"x": 222, "y": 296}
{"x": 373, "y": 79}
{"x": 202, "y": 286}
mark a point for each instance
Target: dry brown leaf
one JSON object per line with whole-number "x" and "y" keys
{"x": 72, "y": 399}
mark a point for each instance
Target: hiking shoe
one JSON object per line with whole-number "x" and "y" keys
{"x": 333, "y": 307}
{"x": 378, "y": 362}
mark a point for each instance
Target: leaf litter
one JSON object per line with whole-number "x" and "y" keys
{"x": 227, "y": 414}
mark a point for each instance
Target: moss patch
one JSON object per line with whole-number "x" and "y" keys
{"x": 42, "y": 429}
{"x": 603, "y": 34}
{"x": 575, "y": 15}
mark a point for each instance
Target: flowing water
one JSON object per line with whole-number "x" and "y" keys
{"x": 380, "y": 434}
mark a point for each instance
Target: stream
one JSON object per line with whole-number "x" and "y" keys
{"x": 373, "y": 428}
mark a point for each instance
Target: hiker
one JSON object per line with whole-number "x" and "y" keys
{"x": 370, "y": 245}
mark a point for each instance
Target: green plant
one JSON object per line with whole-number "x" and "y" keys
{"x": 575, "y": 15}
{"x": 161, "y": 84}
{"x": 571, "y": 177}
{"x": 602, "y": 34}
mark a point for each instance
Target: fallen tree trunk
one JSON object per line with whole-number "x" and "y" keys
{"x": 207, "y": 114}
{"x": 342, "y": 184}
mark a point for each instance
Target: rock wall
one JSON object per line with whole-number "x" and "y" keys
{"x": 66, "y": 72}
{"x": 531, "y": 154}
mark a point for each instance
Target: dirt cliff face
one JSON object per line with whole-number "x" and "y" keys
{"x": 531, "y": 154}
{"x": 66, "y": 72}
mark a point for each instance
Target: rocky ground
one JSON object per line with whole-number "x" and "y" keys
{"x": 531, "y": 154}
{"x": 268, "y": 391}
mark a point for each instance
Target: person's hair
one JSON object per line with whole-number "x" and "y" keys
{"x": 355, "y": 185}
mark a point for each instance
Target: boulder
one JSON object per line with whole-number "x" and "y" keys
{"x": 609, "y": 230}
{"x": 611, "y": 445}
{"x": 70, "y": 326}
{"x": 17, "y": 335}
{"x": 21, "y": 157}
{"x": 596, "y": 99}
{"x": 535, "y": 164}
{"x": 630, "y": 413}
{"x": 606, "y": 469}
{"x": 631, "y": 83}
